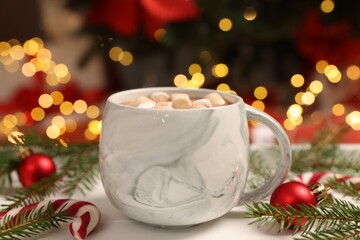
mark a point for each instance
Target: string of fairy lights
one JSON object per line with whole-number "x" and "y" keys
{"x": 32, "y": 57}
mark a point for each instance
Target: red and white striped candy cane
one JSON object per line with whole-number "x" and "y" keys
{"x": 86, "y": 216}
{"x": 309, "y": 178}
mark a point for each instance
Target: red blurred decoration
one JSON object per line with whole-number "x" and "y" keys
{"x": 126, "y": 17}
{"x": 333, "y": 42}
{"x": 35, "y": 167}
{"x": 293, "y": 194}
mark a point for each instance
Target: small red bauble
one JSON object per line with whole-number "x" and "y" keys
{"x": 35, "y": 167}
{"x": 295, "y": 193}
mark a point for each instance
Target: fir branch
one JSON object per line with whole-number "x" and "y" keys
{"x": 75, "y": 170}
{"x": 8, "y": 163}
{"x": 85, "y": 175}
{"x": 31, "y": 222}
{"x": 347, "y": 188}
{"x": 334, "y": 214}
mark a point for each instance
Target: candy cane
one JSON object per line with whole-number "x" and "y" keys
{"x": 309, "y": 178}
{"x": 86, "y": 216}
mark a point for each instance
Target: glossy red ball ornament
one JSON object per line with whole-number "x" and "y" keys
{"x": 35, "y": 167}
{"x": 295, "y": 193}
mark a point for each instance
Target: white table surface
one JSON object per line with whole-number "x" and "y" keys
{"x": 114, "y": 225}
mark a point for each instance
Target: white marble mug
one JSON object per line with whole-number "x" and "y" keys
{"x": 181, "y": 167}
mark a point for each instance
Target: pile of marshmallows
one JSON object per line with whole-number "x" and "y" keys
{"x": 162, "y": 100}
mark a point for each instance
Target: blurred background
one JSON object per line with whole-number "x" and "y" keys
{"x": 296, "y": 60}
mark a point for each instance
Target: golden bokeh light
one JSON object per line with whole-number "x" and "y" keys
{"x": 58, "y": 121}
{"x": 250, "y": 13}
{"x": 353, "y": 72}
{"x": 289, "y": 125}
{"x": 316, "y": 87}
{"x": 116, "y": 53}
{"x": 338, "y": 109}
{"x": 80, "y": 106}
{"x": 298, "y": 98}
{"x": 61, "y": 70}
{"x": 160, "y": 34}
{"x": 4, "y": 49}
{"x": 353, "y": 119}
{"x": 57, "y": 97}
{"x": 66, "y": 108}
{"x": 259, "y": 105}
{"x": 44, "y": 55}
{"x": 225, "y": 24}
{"x": 297, "y": 80}
{"x": 31, "y": 47}
{"x": 17, "y": 52}
{"x": 220, "y": 70}
{"x": 294, "y": 111}
{"x": 180, "y": 81}
{"x": 65, "y": 79}
{"x": 332, "y": 73}
{"x": 45, "y": 100}
{"x": 194, "y": 68}
{"x": 126, "y": 59}
{"x": 21, "y": 118}
{"x": 321, "y": 65}
{"x": 198, "y": 79}
{"x": 70, "y": 125}
{"x": 223, "y": 87}
{"x": 327, "y": 6}
{"x": 53, "y": 132}
{"x": 260, "y": 92}
{"x": 89, "y": 135}
{"x": 308, "y": 98}
{"x": 92, "y": 112}
{"x": 9, "y": 121}
{"x": 94, "y": 126}
{"x": 28, "y": 69}
{"x": 37, "y": 114}
{"x": 52, "y": 79}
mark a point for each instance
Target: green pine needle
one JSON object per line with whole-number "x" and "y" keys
{"x": 321, "y": 221}
{"x": 32, "y": 222}
{"x": 78, "y": 171}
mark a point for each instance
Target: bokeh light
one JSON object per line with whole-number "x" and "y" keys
{"x": 260, "y": 92}
{"x": 80, "y": 106}
{"x": 338, "y": 109}
{"x": 297, "y": 80}
{"x": 250, "y": 13}
{"x": 45, "y": 100}
{"x": 92, "y": 112}
{"x": 225, "y": 24}
{"x": 353, "y": 72}
{"x": 220, "y": 70}
{"x": 180, "y": 81}
{"x": 327, "y": 6}
{"x": 37, "y": 114}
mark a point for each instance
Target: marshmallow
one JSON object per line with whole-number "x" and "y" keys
{"x": 160, "y": 96}
{"x": 180, "y": 100}
{"x": 216, "y": 99}
{"x": 203, "y": 101}
{"x": 164, "y": 105}
{"x": 198, "y": 105}
{"x": 145, "y": 102}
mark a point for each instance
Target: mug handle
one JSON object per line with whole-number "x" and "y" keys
{"x": 285, "y": 160}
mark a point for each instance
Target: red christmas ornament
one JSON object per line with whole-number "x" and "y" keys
{"x": 34, "y": 167}
{"x": 295, "y": 193}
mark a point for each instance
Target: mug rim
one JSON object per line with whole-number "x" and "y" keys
{"x": 231, "y": 98}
